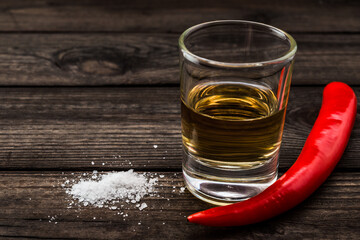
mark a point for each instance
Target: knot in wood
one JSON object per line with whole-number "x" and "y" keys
{"x": 94, "y": 60}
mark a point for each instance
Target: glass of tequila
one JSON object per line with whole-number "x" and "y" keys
{"x": 235, "y": 82}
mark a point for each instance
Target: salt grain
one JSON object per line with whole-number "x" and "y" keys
{"x": 155, "y": 146}
{"x": 142, "y": 206}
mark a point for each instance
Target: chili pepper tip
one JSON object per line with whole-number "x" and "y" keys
{"x": 193, "y": 218}
{"x": 189, "y": 218}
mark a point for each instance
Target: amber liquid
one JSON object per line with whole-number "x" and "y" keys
{"x": 231, "y": 124}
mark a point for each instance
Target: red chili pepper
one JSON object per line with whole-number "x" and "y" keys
{"x": 319, "y": 156}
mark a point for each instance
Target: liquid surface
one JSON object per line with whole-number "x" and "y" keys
{"x": 231, "y": 124}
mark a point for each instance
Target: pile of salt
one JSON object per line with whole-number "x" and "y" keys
{"x": 112, "y": 187}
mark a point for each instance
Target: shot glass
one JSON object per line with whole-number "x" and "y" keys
{"x": 235, "y": 82}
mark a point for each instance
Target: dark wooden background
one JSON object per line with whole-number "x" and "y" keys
{"x": 85, "y": 81}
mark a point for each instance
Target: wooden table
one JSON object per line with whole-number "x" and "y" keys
{"x": 84, "y": 81}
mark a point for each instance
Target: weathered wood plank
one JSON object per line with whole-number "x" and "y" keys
{"x": 138, "y": 59}
{"x": 68, "y": 128}
{"x": 28, "y": 200}
{"x": 175, "y": 16}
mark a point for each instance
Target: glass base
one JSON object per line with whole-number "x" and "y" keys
{"x": 221, "y": 186}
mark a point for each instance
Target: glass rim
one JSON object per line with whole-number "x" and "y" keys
{"x": 201, "y": 60}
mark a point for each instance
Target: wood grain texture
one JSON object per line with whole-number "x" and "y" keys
{"x": 150, "y": 59}
{"x": 175, "y": 16}
{"x": 28, "y": 201}
{"x": 68, "y": 128}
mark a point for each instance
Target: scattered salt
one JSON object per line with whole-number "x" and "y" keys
{"x": 182, "y": 189}
{"x": 155, "y": 146}
{"x": 52, "y": 219}
{"x": 161, "y": 176}
{"x": 92, "y": 163}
